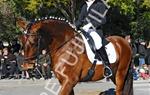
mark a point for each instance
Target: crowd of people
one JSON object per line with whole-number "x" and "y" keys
{"x": 141, "y": 58}
{"x": 12, "y": 61}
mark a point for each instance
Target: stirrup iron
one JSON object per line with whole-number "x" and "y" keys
{"x": 107, "y": 67}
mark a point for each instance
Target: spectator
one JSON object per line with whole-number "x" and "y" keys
{"x": 144, "y": 72}
{"x": 15, "y": 47}
{"x": 147, "y": 57}
{"x": 44, "y": 61}
{"x": 135, "y": 73}
{"x": 1, "y": 61}
{"x": 132, "y": 44}
{"x": 1, "y": 45}
{"x": 128, "y": 38}
{"x": 1, "y": 56}
{"x": 20, "y": 62}
{"x": 9, "y": 66}
{"x": 141, "y": 52}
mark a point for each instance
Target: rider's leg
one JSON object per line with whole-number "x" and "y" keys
{"x": 102, "y": 53}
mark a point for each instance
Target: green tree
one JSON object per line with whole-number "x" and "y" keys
{"x": 146, "y": 3}
{"x": 39, "y": 8}
{"x": 136, "y": 13}
{"x": 141, "y": 21}
{"x": 125, "y": 6}
{"x": 7, "y": 18}
{"x": 124, "y": 16}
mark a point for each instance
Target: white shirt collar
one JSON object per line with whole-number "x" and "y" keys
{"x": 89, "y": 3}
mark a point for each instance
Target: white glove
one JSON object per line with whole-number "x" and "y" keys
{"x": 73, "y": 26}
{"x": 87, "y": 27}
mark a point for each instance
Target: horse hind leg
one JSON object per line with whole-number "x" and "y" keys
{"x": 124, "y": 81}
{"x": 125, "y": 87}
{"x": 128, "y": 84}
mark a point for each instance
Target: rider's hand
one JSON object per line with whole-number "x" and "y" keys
{"x": 87, "y": 27}
{"x": 45, "y": 64}
{"x": 73, "y": 26}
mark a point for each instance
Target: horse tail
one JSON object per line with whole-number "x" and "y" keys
{"x": 128, "y": 83}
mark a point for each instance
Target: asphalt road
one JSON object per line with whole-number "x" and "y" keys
{"x": 50, "y": 87}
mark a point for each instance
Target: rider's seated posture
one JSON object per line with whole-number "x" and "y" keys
{"x": 91, "y": 19}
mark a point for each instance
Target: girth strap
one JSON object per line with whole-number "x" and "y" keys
{"x": 90, "y": 73}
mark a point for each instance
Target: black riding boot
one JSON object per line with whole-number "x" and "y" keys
{"x": 103, "y": 55}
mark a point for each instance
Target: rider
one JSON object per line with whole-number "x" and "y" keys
{"x": 91, "y": 19}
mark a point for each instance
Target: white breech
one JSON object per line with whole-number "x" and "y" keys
{"x": 95, "y": 36}
{"x": 97, "y": 39}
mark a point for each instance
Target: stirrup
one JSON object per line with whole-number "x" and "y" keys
{"x": 107, "y": 67}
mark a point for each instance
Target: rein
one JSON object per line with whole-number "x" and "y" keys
{"x": 39, "y": 38}
{"x": 67, "y": 41}
{"x": 37, "y": 53}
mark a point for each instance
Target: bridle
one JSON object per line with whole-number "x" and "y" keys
{"x": 36, "y": 56}
{"x": 26, "y": 34}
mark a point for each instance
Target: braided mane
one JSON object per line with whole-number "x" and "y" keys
{"x": 36, "y": 20}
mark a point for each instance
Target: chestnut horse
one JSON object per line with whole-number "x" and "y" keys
{"x": 70, "y": 63}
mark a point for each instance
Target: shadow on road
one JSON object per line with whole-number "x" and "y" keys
{"x": 110, "y": 91}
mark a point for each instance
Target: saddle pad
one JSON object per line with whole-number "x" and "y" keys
{"x": 112, "y": 56}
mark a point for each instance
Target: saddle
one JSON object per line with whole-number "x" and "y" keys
{"x": 91, "y": 48}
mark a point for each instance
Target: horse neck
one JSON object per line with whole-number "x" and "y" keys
{"x": 60, "y": 33}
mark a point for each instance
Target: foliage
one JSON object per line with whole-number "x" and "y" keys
{"x": 126, "y": 6}
{"x": 141, "y": 23}
{"x": 144, "y": 20}
{"x": 39, "y": 8}
{"x": 144, "y": 23}
{"x": 137, "y": 12}
{"x": 146, "y": 3}
{"x": 7, "y": 18}
{"x": 124, "y": 16}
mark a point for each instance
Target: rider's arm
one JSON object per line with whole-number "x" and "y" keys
{"x": 100, "y": 9}
{"x": 81, "y": 18}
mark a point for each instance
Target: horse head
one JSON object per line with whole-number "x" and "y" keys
{"x": 42, "y": 34}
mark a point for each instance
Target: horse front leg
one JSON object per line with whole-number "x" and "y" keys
{"x": 72, "y": 92}
{"x": 67, "y": 89}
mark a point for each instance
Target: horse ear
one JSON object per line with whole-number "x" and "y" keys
{"x": 36, "y": 27}
{"x": 21, "y": 23}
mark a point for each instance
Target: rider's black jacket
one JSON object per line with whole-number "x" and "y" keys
{"x": 97, "y": 6}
